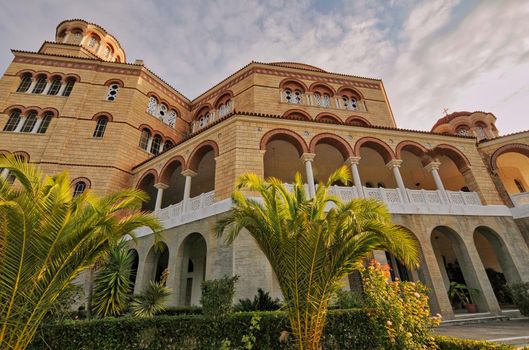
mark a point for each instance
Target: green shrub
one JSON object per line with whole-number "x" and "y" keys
{"x": 348, "y": 299}
{"x": 217, "y": 296}
{"x": 520, "y": 296}
{"x": 261, "y": 302}
{"x": 346, "y": 329}
{"x": 151, "y": 301}
{"x": 399, "y": 311}
{"x": 449, "y": 343}
{"x": 182, "y": 310}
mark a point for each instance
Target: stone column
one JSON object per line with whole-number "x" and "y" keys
{"x": 36, "y": 126}
{"x": 61, "y": 89}
{"x": 433, "y": 168}
{"x": 20, "y": 124}
{"x": 47, "y": 87}
{"x": 353, "y": 163}
{"x": 394, "y": 165}
{"x": 188, "y": 173}
{"x": 160, "y": 186}
{"x": 307, "y": 158}
{"x": 32, "y": 85}
{"x": 4, "y": 173}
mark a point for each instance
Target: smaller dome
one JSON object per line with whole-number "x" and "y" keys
{"x": 477, "y": 124}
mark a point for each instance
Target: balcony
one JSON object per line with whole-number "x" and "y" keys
{"x": 521, "y": 205}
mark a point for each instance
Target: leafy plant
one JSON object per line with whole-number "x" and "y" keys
{"x": 151, "y": 301}
{"x": 399, "y": 311}
{"x": 348, "y": 299}
{"x": 48, "y": 237}
{"x": 309, "y": 248}
{"x": 520, "y": 295}
{"x": 217, "y": 296}
{"x": 112, "y": 284}
{"x": 248, "y": 340}
{"x": 459, "y": 293}
{"x": 261, "y": 302}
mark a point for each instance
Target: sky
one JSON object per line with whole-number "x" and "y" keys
{"x": 465, "y": 55}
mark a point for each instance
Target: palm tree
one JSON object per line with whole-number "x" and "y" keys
{"x": 312, "y": 244}
{"x": 113, "y": 284}
{"x": 47, "y": 237}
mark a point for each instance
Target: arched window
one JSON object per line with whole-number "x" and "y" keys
{"x": 12, "y": 122}
{"x": 69, "y": 86}
{"x": 55, "y": 86}
{"x": 100, "y": 127}
{"x": 112, "y": 92}
{"x": 225, "y": 108}
{"x": 204, "y": 120}
{"x": 322, "y": 100}
{"x": 293, "y": 96}
{"x": 144, "y": 139}
{"x": 40, "y": 85}
{"x": 170, "y": 119}
{"x": 93, "y": 42}
{"x": 519, "y": 185}
{"x": 156, "y": 143}
{"x": 463, "y": 130}
{"x": 28, "y": 125}
{"x": 45, "y": 123}
{"x": 162, "y": 111}
{"x": 10, "y": 176}
{"x": 79, "y": 188}
{"x": 152, "y": 106}
{"x": 350, "y": 103}
{"x": 168, "y": 145}
{"x": 25, "y": 83}
{"x": 107, "y": 53}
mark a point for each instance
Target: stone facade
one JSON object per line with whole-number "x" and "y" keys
{"x": 114, "y": 125}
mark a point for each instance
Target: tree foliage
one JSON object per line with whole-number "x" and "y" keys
{"x": 47, "y": 237}
{"x": 312, "y": 243}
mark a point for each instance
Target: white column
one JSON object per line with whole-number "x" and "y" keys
{"x": 149, "y": 143}
{"x": 353, "y": 163}
{"x": 188, "y": 173}
{"x": 394, "y": 165}
{"x": 36, "y": 126}
{"x": 159, "y": 195}
{"x": 20, "y": 123}
{"x": 433, "y": 168}
{"x": 61, "y": 89}
{"x": 307, "y": 158}
{"x": 4, "y": 173}
{"x": 47, "y": 87}
{"x": 32, "y": 85}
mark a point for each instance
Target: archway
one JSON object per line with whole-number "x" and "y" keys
{"x": 134, "y": 268}
{"x": 497, "y": 263}
{"x": 202, "y": 161}
{"x": 331, "y": 153}
{"x": 192, "y": 254}
{"x": 373, "y": 170}
{"x": 146, "y": 184}
{"x": 456, "y": 266}
{"x": 172, "y": 176}
{"x": 156, "y": 263}
{"x": 513, "y": 169}
{"x": 414, "y": 175}
{"x": 282, "y": 157}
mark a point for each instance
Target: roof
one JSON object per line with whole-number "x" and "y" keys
{"x": 89, "y": 23}
{"x": 448, "y": 118}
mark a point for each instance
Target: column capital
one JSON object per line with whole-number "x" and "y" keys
{"x": 353, "y": 160}
{"x": 433, "y": 165}
{"x": 394, "y": 163}
{"x": 189, "y": 172}
{"x": 307, "y": 157}
{"x": 161, "y": 185}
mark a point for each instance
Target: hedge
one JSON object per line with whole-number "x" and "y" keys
{"x": 345, "y": 329}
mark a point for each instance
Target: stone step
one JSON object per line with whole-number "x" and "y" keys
{"x": 474, "y": 318}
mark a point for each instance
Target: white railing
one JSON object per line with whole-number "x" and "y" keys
{"x": 520, "y": 199}
{"x": 194, "y": 204}
{"x": 393, "y": 196}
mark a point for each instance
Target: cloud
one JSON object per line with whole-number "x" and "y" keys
{"x": 463, "y": 55}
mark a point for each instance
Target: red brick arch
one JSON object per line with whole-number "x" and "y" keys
{"x": 199, "y": 152}
{"x": 285, "y": 83}
{"x": 104, "y": 114}
{"x": 333, "y": 140}
{"x": 223, "y": 97}
{"x": 513, "y": 147}
{"x": 460, "y": 160}
{"x": 411, "y": 146}
{"x": 79, "y": 179}
{"x": 114, "y": 81}
{"x": 297, "y": 114}
{"x": 360, "y": 121}
{"x": 285, "y": 135}
{"x": 145, "y": 174}
{"x": 349, "y": 90}
{"x": 318, "y": 86}
{"x": 378, "y": 145}
{"x": 328, "y": 118}
{"x": 170, "y": 166}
